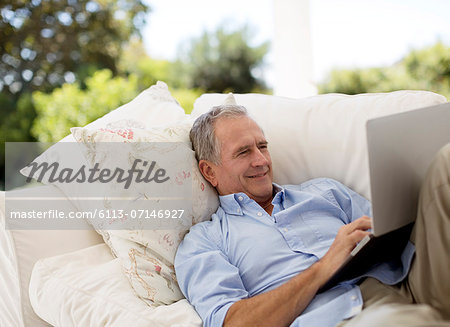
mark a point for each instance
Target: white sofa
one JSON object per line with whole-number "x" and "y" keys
{"x": 71, "y": 278}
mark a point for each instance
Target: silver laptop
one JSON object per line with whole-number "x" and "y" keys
{"x": 401, "y": 147}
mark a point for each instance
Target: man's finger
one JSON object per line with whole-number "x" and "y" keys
{"x": 358, "y": 235}
{"x": 363, "y": 222}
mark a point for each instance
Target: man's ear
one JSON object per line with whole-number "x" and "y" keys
{"x": 208, "y": 172}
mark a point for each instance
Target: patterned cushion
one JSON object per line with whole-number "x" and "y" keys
{"x": 148, "y": 254}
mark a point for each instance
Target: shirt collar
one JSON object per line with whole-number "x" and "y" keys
{"x": 279, "y": 194}
{"x": 233, "y": 203}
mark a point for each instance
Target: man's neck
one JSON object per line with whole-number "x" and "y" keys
{"x": 268, "y": 207}
{"x": 267, "y": 204}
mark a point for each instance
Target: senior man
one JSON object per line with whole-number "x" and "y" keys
{"x": 268, "y": 249}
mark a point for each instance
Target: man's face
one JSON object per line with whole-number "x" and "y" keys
{"x": 245, "y": 160}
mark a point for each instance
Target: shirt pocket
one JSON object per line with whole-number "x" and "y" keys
{"x": 312, "y": 231}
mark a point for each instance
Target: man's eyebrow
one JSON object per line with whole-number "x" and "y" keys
{"x": 263, "y": 142}
{"x": 242, "y": 148}
{"x": 247, "y": 146}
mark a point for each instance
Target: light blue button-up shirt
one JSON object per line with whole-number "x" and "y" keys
{"x": 243, "y": 251}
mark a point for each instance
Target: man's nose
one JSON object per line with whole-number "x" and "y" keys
{"x": 259, "y": 159}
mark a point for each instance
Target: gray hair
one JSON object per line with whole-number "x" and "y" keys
{"x": 202, "y": 135}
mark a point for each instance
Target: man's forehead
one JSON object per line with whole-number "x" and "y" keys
{"x": 223, "y": 124}
{"x": 247, "y": 134}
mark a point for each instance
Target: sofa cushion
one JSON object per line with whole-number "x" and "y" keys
{"x": 28, "y": 246}
{"x": 323, "y": 135}
{"x": 87, "y": 288}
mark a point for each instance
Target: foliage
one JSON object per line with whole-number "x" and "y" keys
{"x": 15, "y": 120}
{"x": 44, "y": 43}
{"x": 19, "y": 120}
{"x": 71, "y": 106}
{"x": 148, "y": 71}
{"x": 186, "y": 97}
{"x": 430, "y": 67}
{"x": 134, "y": 60}
{"x": 224, "y": 61}
{"x": 425, "y": 69}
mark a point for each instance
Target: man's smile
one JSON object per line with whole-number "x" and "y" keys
{"x": 258, "y": 175}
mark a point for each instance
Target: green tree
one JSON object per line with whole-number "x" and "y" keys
{"x": 71, "y": 105}
{"x": 430, "y": 68}
{"x": 45, "y": 43}
{"x": 224, "y": 61}
{"x": 134, "y": 60}
{"x": 424, "y": 69}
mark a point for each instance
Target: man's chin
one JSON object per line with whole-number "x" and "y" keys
{"x": 262, "y": 193}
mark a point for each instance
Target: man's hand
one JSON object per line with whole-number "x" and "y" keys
{"x": 346, "y": 239}
{"x": 279, "y": 307}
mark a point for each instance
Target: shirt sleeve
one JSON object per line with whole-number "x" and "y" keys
{"x": 206, "y": 277}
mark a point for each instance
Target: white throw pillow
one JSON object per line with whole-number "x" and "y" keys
{"x": 321, "y": 136}
{"x": 148, "y": 254}
{"x": 88, "y": 288}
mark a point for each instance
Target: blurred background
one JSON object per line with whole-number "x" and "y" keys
{"x": 64, "y": 63}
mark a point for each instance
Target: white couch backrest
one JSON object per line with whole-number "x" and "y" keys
{"x": 324, "y": 135}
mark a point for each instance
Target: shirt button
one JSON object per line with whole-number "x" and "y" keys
{"x": 238, "y": 210}
{"x": 354, "y": 297}
{"x": 240, "y": 198}
{"x": 285, "y": 230}
{"x": 259, "y": 213}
